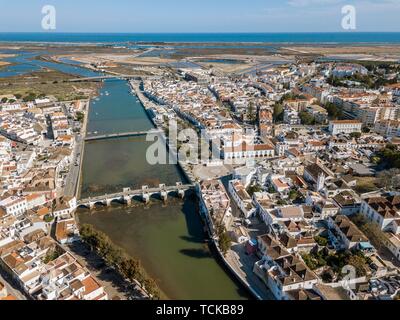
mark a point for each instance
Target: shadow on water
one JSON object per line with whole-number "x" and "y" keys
{"x": 198, "y": 235}
{"x": 192, "y": 239}
{"x": 193, "y": 251}
{"x": 193, "y": 220}
{"x": 168, "y": 238}
{"x": 196, "y": 253}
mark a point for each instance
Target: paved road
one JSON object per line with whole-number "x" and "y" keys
{"x": 72, "y": 177}
{"x": 71, "y": 182}
{"x": 243, "y": 265}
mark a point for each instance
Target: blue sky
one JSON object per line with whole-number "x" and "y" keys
{"x": 199, "y": 15}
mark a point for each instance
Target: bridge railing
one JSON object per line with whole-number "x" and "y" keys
{"x": 133, "y": 193}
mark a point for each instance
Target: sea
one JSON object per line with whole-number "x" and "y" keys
{"x": 121, "y": 38}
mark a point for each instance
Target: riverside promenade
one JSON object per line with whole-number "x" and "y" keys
{"x": 72, "y": 183}
{"x": 172, "y": 148}
{"x": 242, "y": 273}
{"x": 232, "y": 261}
{"x": 147, "y": 104}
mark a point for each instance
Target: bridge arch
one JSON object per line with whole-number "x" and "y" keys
{"x": 84, "y": 206}
{"x": 136, "y": 198}
{"x": 155, "y": 195}
{"x": 99, "y": 204}
{"x": 117, "y": 201}
{"x": 173, "y": 193}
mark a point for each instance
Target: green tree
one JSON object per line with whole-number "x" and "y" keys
{"x": 323, "y": 242}
{"x": 251, "y": 190}
{"x": 359, "y": 262}
{"x": 306, "y": 118}
{"x": 375, "y": 160}
{"x": 48, "y": 218}
{"x": 251, "y": 112}
{"x": 30, "y": 97}
{"x": 309, "y": 261}
{"x": 151, "y": 287}
{"x": 80, "y": 116}
{"x": 225, "y": 242}
{"x": 271, "y": 190}
{"x": 355, "y": 135}
{"x": 333, "y": 111}
{"x": 390, "y": 157}
{"x": 278, "y": 112}
{"x": 130, "y": 268}
{"x": 4, "y": 100}
{"x": 371, "y": 230}
{"x": 53, "y": 254}
{"x": 115, "y": 257}
{"x": 293, "y": 195}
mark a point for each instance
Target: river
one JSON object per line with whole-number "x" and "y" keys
{"x": 167, "y": 238}
{"x": 27, "y": 62}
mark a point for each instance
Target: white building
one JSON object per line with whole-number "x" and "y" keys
{"x": 393, "y": 244}
{"x": 11, "y": 107}
{"x": 64, "y": 207}
{"x": 349, "y": 236}
{"x": 35, "y": 200}
{"x": 246, "y": 151}
{"x": 242, "y": 198}
{"x": 342, "y": 71}
{"x": 388, "y": 128}
{"x": 281, "y": 271}
{"x": 244, "y": 174}
{"x": 291, "y": 117}
{"x": 385, "y": 211}
{"x": 14, "y": 205}
{"x": 344, "y": 126}
{"x": 215, "y": 204}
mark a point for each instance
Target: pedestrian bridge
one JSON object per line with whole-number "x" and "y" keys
{"x": 107, "y": 77}
{"x": 122, "y": 135}
{"x": 145, "y": 193}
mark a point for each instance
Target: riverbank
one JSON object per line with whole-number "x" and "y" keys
{"x": 114, "y": 284}
{"x": 232, "y": 268}
{"x": 150, "y": 106}
{"x": 4, "y": 63}
{"x": 81, "y": 151}
{"x": 47, "y": 82}
{"x": 116, "y": 258}
{"x": 231, "y": 262}
{"x": 169, "y": 239}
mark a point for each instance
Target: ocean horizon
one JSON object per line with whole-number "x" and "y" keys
{"x": 284, "y": 37}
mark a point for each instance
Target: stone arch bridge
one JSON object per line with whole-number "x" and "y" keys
{"x": 145, "y": 193}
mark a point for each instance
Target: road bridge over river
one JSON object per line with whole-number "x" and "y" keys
{"x": 128, "y": 194}
{"x": 107, "y": 77}
{"x": 122, "y": 135}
